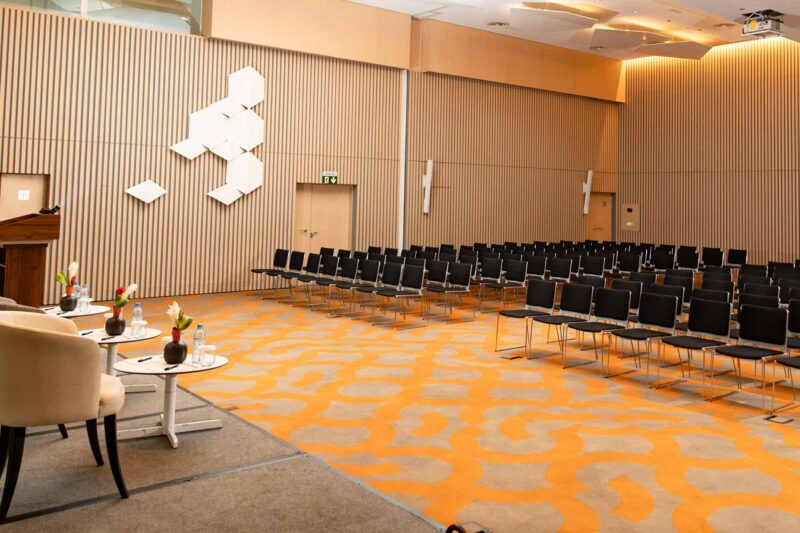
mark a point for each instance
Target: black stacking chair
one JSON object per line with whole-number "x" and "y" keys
{"x": 408, "y": 253}
{"x": 752, "y": 268}
{"x": 560, "y": 269}
{"x": 466, "y": 249}
{"x": 410, "y": 289}
{"x": 539, "y": 301}
{"x": 611, "y": 310}
{"x": 598, "y": 282}
{"x": 327, "y": 278}
{"x": 427, "y": 256}
{"x": 647, "y": 279}
{"x": 458, "y": 285}
{"x": 342, "y": 254}
{"x": 326, "y": 251}
{"x": 630, "y": 262}
{"x": 720, "y": 275}
{"x": 688, "y": 258}
{"x": 751, "y": 277}
{"x": 679, "y": 273}
{"x": 594, "y": 265}
{"x": 294, "y": 271}
{"x": 450, "y": 257}
{"x": 374, "y": 250}
{"x": 279, "y": 260}
{"x": 447, "y": 248}
{"x": 758, "y": 288}
{"x": 431, "y": 249}
{"x": 370, "y": 272}
{"x": 712, "y": 257}
{"x": 760, "y": 300}
{"x": 396, "y": 259}
{"x": 762, "y": 339}
{"x": 710, "y": 294}
{"x": 663, "y": 258}
{"x": 736, "y": 258}
{"x": 537, "y": 266}
{"x": 709, "y": 326}
{"x": 515, "y": 277}
{"x": 671, "y": 290}
{"x": 416, "y": 248}
{"x": 389, "y": 251}
{"x": 656, "y": 319}
{"x": 778, "y": 266}
{"x": 311, "y": 271}
{"x": 575, "y": 306}
{"x": 576, "y": 261}
{"x": 719, "y": 285}
{"x": 633, "y": 287}
{"x": 361, "y": 256}
{"x": 792, "y": 362}
{"x": 348, "y": 272}
{"x": 416, "y": 261}
{"x": 793, "y": 340}
{"x": 785, "y": 286}
{"x": 437, "y": 273}
{"x": 390, "y": 279}
{"x": 680, "y": 281}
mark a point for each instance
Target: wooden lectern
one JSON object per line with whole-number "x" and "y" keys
{"x": 22, "y": 259}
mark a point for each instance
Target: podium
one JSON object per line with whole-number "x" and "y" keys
{"x": 24, "y": 242}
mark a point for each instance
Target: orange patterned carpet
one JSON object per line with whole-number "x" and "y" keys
{"x": 435, "y": 419}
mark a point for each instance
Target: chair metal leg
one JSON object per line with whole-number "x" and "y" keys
{"x": 4, "y": 434}
{"x": 63, "y": 430}
{"x": 110, "y": 426}
{"x": 15, "y": 448}
{"x": 94, "y": 443}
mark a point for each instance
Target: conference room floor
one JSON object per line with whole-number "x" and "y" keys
{"x": 435, "y": 419}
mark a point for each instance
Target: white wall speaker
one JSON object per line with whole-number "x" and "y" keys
{"x": 427, "y": 180}
{"x": 587, "y": 192}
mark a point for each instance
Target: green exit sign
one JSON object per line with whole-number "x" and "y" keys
{"x": 330, "y": 178}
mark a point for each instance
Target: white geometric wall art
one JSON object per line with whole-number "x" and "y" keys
{"x": 147, "y": 191}
{"x": 246, "y": 86}
{"x": 245, "y": 173}
{"x": 246, "y": 129}
{"x": 230, "y": 130}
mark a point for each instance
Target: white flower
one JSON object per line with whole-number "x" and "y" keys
{"x": 174, "y": 312}
{"x": 132, "y": 287}
{"x": 73, "y": 269}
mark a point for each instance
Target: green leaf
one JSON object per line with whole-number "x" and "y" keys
{"x": 62, "y": 279}
{"x": 119, "y": 301}
{"x": 184, "y": 321}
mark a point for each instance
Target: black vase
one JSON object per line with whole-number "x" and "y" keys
{"x": 68, "y": 303}
{"x": 115, "y": 326}
{"x": 175, "y": 352}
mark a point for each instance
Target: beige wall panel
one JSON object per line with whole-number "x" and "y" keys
{"x": 334, "y": 28}
{"x": 96, "y": 106}
{"x": 460, "y": 51}
{"x": 508, "y": 161}
{"x": 710, "y": 149}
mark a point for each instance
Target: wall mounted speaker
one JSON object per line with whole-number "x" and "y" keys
{"x": 587, "y": 192}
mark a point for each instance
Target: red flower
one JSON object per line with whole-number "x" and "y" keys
{"x": 119, "y": 290}
{"x": 73, "y": 280}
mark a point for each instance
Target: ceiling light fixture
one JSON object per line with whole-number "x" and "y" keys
{"x": 497, "y": 24}
{"x": 723, "y": 25}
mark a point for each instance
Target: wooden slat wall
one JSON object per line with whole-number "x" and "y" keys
{"x": 508, "y": 161}
{"x": 710, "y": 149}
{"x": 97, "y": 105}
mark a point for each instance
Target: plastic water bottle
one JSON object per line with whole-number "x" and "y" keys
{"x": 136, "y": 319}
{"x": 83, "y": 300}
{"x": 197, "y": 345}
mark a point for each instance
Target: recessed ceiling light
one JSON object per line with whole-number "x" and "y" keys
{"x": 497, "y": 24}
{"x": 597, "y": 47}
{"x": 723, "y": 25}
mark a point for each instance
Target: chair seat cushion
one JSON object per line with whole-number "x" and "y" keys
{"x": 740, "y": 351}
{"x": 522, "y": 313}
{"x": 289, "y": 275}
{"x": 349, "y": 285}
{"x": 594, "y": 327}
{"x": 370, "y": 288}
{"x": 557, "y": 320}
{"x": 306, "y": 278}
{"x": 326, "y": 281}
{"x": 398, "y": 293}
{"x": 440, "y": 289}
{"x": 112, "y": 395}
{"x": 505, "y": 285}
{"x": 688, "y": 342}
{"x": 793, "y": 362}
{"x": 793, "y": 343}
{"x": 638, "y": 334}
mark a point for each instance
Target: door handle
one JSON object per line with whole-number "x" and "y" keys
{"x": 304, "y": 230}
{"x": 313, "y": 233}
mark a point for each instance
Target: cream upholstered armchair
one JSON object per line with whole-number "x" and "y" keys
{"x": 50, "y": 375}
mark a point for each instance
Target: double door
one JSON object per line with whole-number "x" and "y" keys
{"x": 323, "y": 217}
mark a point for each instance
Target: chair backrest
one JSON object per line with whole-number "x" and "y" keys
{"x": 670, "y": 290}
{"x": 431, "y": 249}
{"x": 537, "y": 265}
{"x": 759, "y": 300}
{"x": 663, "y": 258}
{"x": 374, "y": 250}
{"x": 361, "y": 256}
{"x": 750, "y": 268}
{"x": 688, "y": 257}
{"x": 390, "y": 251}
{"x": 778, "y": 266}
{"x": 598, "y": 282}
{"x": 449, "y": 248}
{"x": 437, "y": 271}
{"x": 312, "y": 263}
{"x": 758, "y": 288}
{"x": 560, "y": 268}
{"x": 427, "y": 255}
{"x": 658, "y": 310}
{"x": 576, "y": 299}
{"x": 594, "y": 265}
{"x": 342, "y": 254}
{"x": 330, "y": 265}
{"x": 630, "y": 262}
{"x": 710, "y": 317}
{"x": 349, "y": 267}
{"x": 323, "y": 251}
{"x": 686, "y": 283}
{"x": 633, "y": 287}
{"x": 396, "y": 259}
{"x": 612, "y": 304}
{"x": 416, "y": 248}
{"x": 49, "y": 374}
{"x": 786, "y": 285}
{"x": 576, "y": 261}
{"x": 408, "y": 253}
{"x": 370, "y": 270}
{"x": 736, "y": 257}
{"x": 461, "y": 274}
{"x": 296, "y": 261}
{"x": 794, "y": 316}
{"x": 724, "y": 275}
{"x": 710, "y": 294}
{"x": 516, "y": 270}
{"x": 718, "y": 285}
{"x": 392, "y": 273}
{"x": 447, "y": 256}
{"x": 380, "y": 258}
{"x": 280, "y": 258}
{"x": 491, "y": 268}
{"x": 541, "y": 295}
{"x": 763, "y": 325}
{"x": 647, "y": 279}
{"x": 464, "y": 248}
{"x": 680, "y": 273}
{"x": 412, "y": 277}
{"x": 713, "y": 257}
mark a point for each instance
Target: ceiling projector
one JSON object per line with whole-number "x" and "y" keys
{"x": 765, "y": 23}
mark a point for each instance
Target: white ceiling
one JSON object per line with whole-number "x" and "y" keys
{"x": 696, "y": 21}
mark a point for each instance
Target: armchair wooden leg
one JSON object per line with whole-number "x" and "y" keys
{"x": 91, "y": 431}
{"x": 110, "y": 426}
{"x": 15, "y": 449}
{"x": 63, "y": 430}
{"x": 4, "y": 432}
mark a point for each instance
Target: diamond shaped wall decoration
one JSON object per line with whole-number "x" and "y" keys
{"x": 227, "y": 194}
{"x": 246, "y": 86}
{"x": 188, "y": 149}
{"x": 147, "y": 191}
{"x": 245, "y": 173}
{"x": 246, "y": 130}
{"x": 227, "y": 150}
{"x": 228, "y": 107}
{"x": 208, "y": 127}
